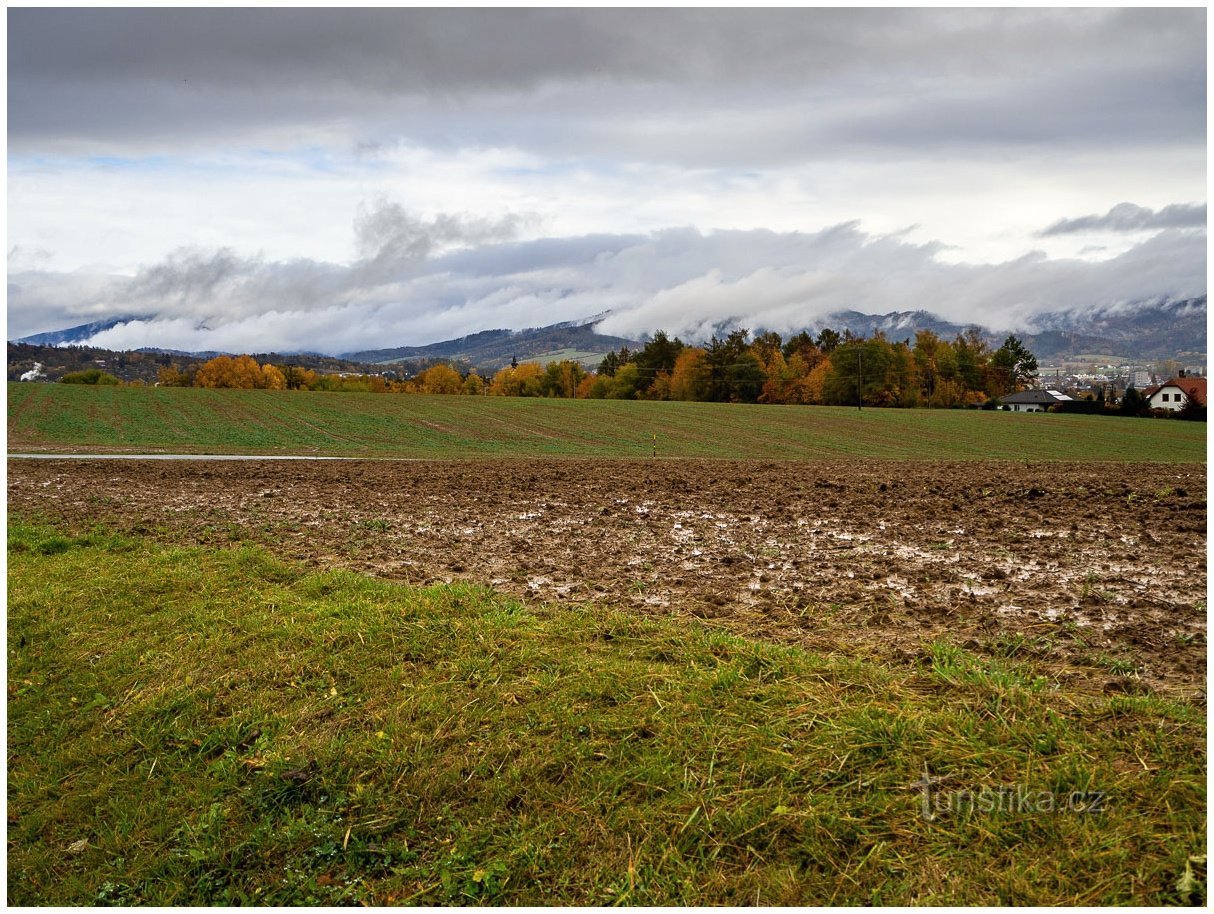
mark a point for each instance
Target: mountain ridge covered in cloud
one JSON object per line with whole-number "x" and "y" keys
{"x": 419, "y": 282}
{"x": 1144, "y": 330}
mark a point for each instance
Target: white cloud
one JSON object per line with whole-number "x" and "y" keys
{"x": 683, "y": 281}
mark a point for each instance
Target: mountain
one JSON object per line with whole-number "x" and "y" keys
{"x": 1142, "y": 332}
{"x": 77, "y": 335}
{"x": 490, "y": 350}
{"x": 1163, "y": 330}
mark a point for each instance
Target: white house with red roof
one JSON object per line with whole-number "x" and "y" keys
{"x": 1172, "y": 395}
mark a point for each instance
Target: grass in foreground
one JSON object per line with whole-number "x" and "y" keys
{"x": 187, "y": 420}
{"x": 213, "y": 726}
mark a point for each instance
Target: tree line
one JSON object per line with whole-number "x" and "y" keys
{"x": 830, "y": 368}
{"x": 827, "y": 368}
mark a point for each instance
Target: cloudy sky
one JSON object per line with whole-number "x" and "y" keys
{"x": 333, "y": 180}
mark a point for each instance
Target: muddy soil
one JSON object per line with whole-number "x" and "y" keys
{"x": 1097, "y": 573}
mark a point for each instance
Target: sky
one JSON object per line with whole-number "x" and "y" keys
{"x": 333, "y": 180}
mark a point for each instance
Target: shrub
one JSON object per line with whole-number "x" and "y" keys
{"x": 89, "y": 376}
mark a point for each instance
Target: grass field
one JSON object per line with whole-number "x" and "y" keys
{"x": 67, "y": 417}
{"x": 201, "y": 726}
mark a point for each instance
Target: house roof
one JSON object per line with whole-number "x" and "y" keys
{"x": 1036, "y": 396}
{"x": 1193, "y": 388}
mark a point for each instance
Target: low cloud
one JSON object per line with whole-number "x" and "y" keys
{"x": 389, "y": 238}
{"x": 1127, "y": 217}
{"x": 681, "y": 280}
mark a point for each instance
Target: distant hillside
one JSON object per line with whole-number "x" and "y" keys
{"x": 490, "y": 350}
{"x": 145, "y": 364}
{"x": 79, "y": 333}
{"x": 1165, "y": 330}
{"x": 1147, "y": 332}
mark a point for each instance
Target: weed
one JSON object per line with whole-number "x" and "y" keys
{"x": 1119, "y": 666}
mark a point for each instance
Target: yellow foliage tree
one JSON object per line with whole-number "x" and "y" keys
{"x": 691, "y": 375}
{"x": 241, "y": 372}
{"x": 440, "y": 379}
{"x": 813, "y": 385}
{"x": 523, "y": 381}
{"x": 272, "y": 378}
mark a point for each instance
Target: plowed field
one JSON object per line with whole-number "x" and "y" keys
{"x": 1096, "y": 572}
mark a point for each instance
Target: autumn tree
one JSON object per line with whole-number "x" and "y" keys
{"x": 525, "y": 380}
{"x": 561, "y": 379}
{"x": 297, "y": 378}
{"x": 272, "y": 378}
{"x": 972, "y": 355}
{"x": 802, "y": 345}
{"x": 690, "y": 379}
{"x": 766, "y": 346}
{"x": 812, "y": 389}
{"x": 440, "y": 379}
{"x": 172, "y": 376}
{"x": 223, "y": 371}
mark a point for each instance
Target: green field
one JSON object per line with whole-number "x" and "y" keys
{"x": 61, "y": 417}
{"x": 214, "y": 726}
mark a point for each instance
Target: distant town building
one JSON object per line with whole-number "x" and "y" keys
{"x": 1034, "y": 401}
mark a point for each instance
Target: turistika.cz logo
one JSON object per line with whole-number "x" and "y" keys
{"x": 1003, "y": 799}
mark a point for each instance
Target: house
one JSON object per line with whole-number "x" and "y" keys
{"x": 1173, "y": 394}
{"x": 1033, "y": 401}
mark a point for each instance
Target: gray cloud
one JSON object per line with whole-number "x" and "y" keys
{"x": 1127, "y": 217}
{"x": 800, "y": 83}
{"x": 389, "y": 238}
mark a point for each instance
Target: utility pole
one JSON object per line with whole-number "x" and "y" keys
{"x": 860, "y": 386}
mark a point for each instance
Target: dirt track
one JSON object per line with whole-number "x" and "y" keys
{"x": 1097, "y": 572}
